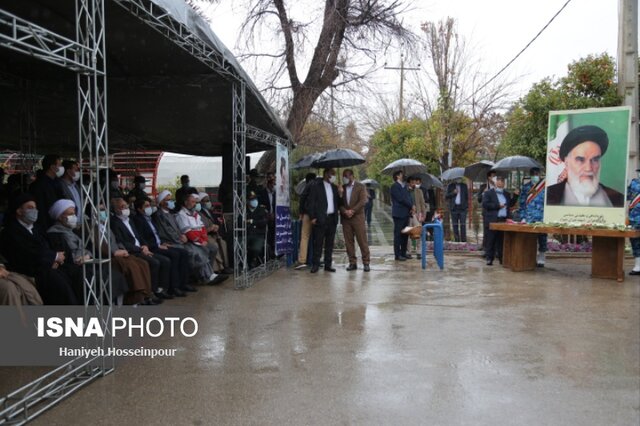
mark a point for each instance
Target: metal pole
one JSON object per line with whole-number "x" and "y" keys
{"x": 402, "y": 69}
{"x": 628, "y": 71}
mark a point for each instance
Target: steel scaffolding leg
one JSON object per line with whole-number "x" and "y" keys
{"x": 239, "y": 185}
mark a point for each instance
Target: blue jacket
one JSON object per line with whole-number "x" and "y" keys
{"x": 401, "y": 203}
{"x": 632, "y": 192}
{"x": 534, "y": 211}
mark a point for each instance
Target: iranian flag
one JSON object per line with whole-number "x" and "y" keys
{"x": 559, "y": 126}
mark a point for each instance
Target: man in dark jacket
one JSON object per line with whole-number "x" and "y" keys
{"x": 458, "y": 197}
{"x": 256, "y": 230}
{"x": 127, "y": 234}
{"x": 46, "y": 188}
{"x": 179, "y": 257}
{"x": 322, "y": 207}
{"x": 496, "y": 203}
{"x": 401, "y": 209}
{"x": 306, "y": 228}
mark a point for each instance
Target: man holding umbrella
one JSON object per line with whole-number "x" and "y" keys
{"x": 458, "y": 196}
{"x": 401, "y": 209}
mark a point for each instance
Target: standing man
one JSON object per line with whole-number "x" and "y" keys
{"x": 354, "y": 199}
{"x": 322, "y": 208}
{"x": 495, "y": 208}
{"x": 458, "y": 196}
{"x": 46, "y": 189}
{"x": 305, "y": 233}
{"x": 532, "y": 208}
{"x": 417, "y": 198}
{"x": 267, "y": 198}
{"x": 368, "y": 208}
{"x": 69, "y": 186}
{"x": 401, "y": 209}
{"x": 633, "y": 196}
{"x": 184, "y": 190}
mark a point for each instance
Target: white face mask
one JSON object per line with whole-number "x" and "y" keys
{"x": 148, "y": 211}
{"x": 198, "y": 207}
{"x": 418, "y": 185}
{"x": 76, "y": 176}
{"x": 332, "y": 179}
{"x": 346, "y": 181}
{"x": 60, "y": 171}
{"x": 154, "y": 209}
{"x": 207, "y": 205}
{"x": 125, "y": 213}
{"x": 72, "y": 221}
{"x": 494, "y": 179}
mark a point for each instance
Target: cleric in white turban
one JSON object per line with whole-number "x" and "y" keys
{"x": 60, "y": 207}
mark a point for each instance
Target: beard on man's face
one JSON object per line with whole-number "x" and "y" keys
{"x": 585, "y": 184}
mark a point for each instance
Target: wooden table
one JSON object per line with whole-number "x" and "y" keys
{"x": 607, "y": 256}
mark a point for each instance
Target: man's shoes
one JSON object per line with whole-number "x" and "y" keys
{"x": 489, "y": 262}
{"x": 352, "y": 267}
{"x": 408, "y": 256}
{"x": 177, "y": 292}
{"x": 152, "y": 300}
{"x": 418, "y": 256}
{"x": 189, "y": 288}
{"x": 218, "y": 279}
{"x": 401, "y": 259}
{"x": 366, "y": 268}
{"x": 329, "y": 269}
{"x": 298, "y": 266}
{"x": 541, "y": 265}
{"x": 227, "y": 271}
{"x": 314, "y": 269}
{"x": 163, "y": 295}
{"x": 634, "y": 272}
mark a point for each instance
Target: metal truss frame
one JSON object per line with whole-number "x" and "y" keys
{"x": 86, "y": 57}
{"x": 239, "y": 117}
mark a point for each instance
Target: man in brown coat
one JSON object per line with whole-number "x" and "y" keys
{"x": 354, "y": 198}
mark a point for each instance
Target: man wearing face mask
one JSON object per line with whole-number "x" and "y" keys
{"x": 531, "y": 199}
{"x": 458, "y": 196}
{"x": 61, "y": 237}
{"x": 28, "y": 252}
{"x": 70, "y": 186}
{"x": 184, "y": 190}
{"x": 322, "y": 207}
{"x": 179, "y": 257}
{"x": 46, "y": 188}
{"x": 353, "y": 200}
{"x": 114, "y": 185}
{"x": 128, "y": 235}
{"x": 256, "y": 224}
{"x": 213, "y": 226}
{"x": 267, "y": 199}
{"x": 401, "y": 210}
{"x": 496, "y": 204}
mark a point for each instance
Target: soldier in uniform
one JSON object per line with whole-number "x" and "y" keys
{"x": 532, "y": 208}
{"x": 633, "y": 196}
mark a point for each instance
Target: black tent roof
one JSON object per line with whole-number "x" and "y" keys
{"x": 159, "y": 96}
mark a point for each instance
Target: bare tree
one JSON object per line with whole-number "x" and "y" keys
{"x": 311, "y": 59}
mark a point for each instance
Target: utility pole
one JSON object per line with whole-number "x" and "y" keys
{"x": 628, "y": 71}
{"x": 402, "y": 69}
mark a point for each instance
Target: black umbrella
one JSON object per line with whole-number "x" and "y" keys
{"x": 430, "y": 180}
{"x": 340, "y": 157}
{"x": 407, "y": 165}
{"x": 370, "y": 182}
{"x": 477, "y": 172}
{"x": 306, "y": 161}
{"x": 453, "y": 173}
{"x": 516, "y": 162}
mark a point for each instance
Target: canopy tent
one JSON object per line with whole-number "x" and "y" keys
{"x": 161, "y": 96}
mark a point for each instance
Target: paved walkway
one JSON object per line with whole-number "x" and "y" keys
{"x": 472, "y": 345}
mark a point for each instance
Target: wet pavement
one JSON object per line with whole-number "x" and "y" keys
{"x": 472, "y": 344}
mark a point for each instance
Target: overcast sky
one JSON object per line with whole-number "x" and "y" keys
{"x": 496, "y": 30}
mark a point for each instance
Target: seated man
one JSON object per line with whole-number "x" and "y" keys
{"x": 27, "y": 251}
{"x": 135, "y": 270}
{"x": 16, "y": 289}
{"x": 126, "y": 234}
{"x": 215, "y": 238}
{"x": 190, "y": 224}
{"x": 179, "y": 257}
{"x": 170, "y": 234}
{"x": 61, "y": 237}
{"x": 256, "y": 231}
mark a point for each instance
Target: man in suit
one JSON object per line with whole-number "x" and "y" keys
{"x": 458, "y": 196}
{"x": 267, "y": 199}
{"x": 353, "y": 200}
{"x": 322, "y": 208}
{"x": 496, "y": 204}
{"x": 401, "y": 209}
{"x": 582, "y": 150}
{"x": 28, "y": 252}
{"x": 46, "y": 189}
{"x": 127, "y": 234}
{"x": 69, "y": 186}
{"x": 179, "y": 257}
{"x": 305, "y": 233}
{"x": 184, "y": 190}
{"x": 256, "y": 224}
